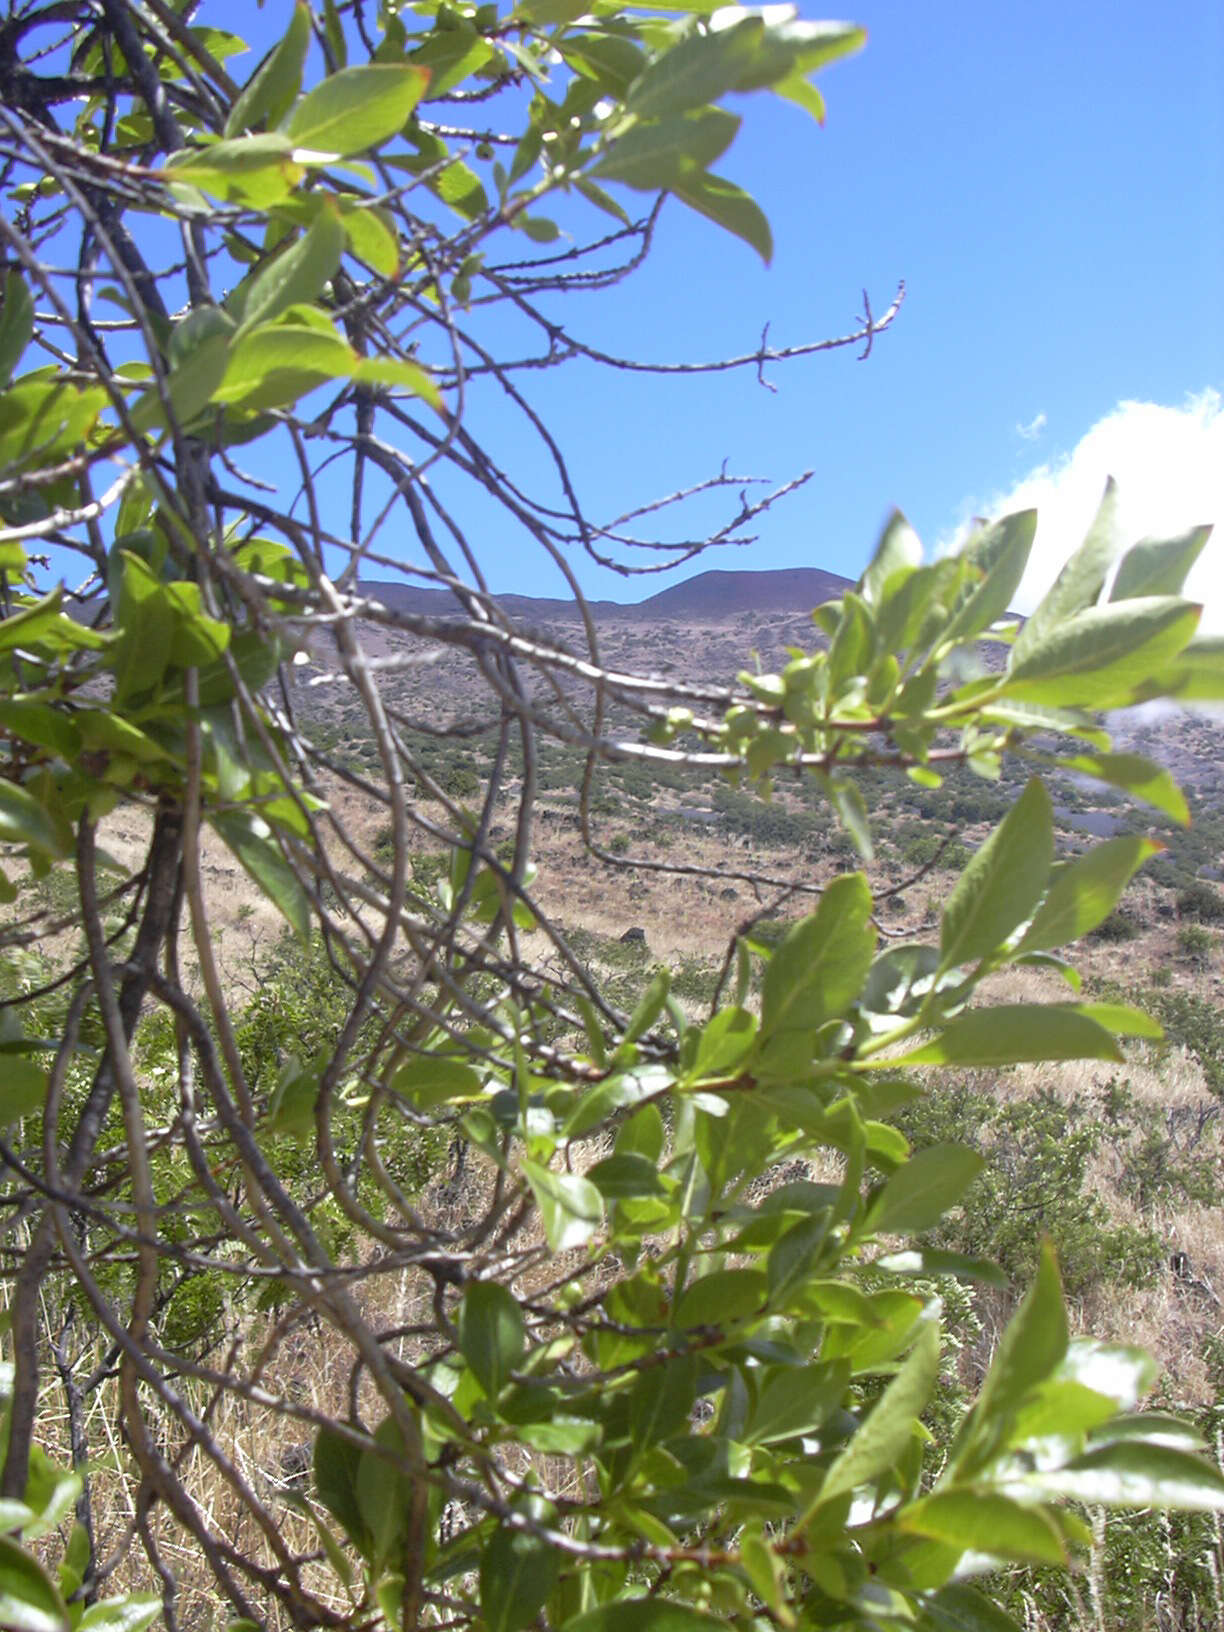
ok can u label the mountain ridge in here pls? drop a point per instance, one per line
(713, 595)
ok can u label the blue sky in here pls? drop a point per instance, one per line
(1049, 181)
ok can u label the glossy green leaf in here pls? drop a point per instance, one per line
(725, 1043)
(898, 553)
(644, 1614)
(1013, 1033)
(721, 1298)
(1129, 1473)
(729, 207)
(661, 1400)
(336, 1461)
(1079, 583)
(697, 71)
(294, 276)
(571, 1208)
(39, 723)
(931, 1262)
(996, 559)
(1032, 1346)
(250, 838)
(620, 1176)
(958, 1607)
(23, 1088)
(891, 1422)
(1085, 891)
(820, 965)
(16, 323)
(131, 1613)
(921, 1191)
(982, 1521)
(253, 170)
(1103, 657)
(1002, 882)
(371, 237)
(492, 1336)
(517, 1573)
(1158, 566)
(384, 1492)
(1136, 775)
(273, 87)
(660, 153)
(272, 366)
(435, 1079)
(357, 108)
(795, 1400)
(29, 1600)
(25, 820)
(790, 48)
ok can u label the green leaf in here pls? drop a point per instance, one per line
(1136, 774)
(821, 963)
(698, 70)
(1002, 882)
(661, 1401)
(254, 170)
(23, 1089)
(272, 366)
(29, 1601)
(336, 1461)
(796, 1400)
(919, 1193)
(357, 108)
(199, 352)
(131, 1613)
(1197, 675)
(1158, 567)
(1079, 583)
(930, 1262)
(959, 1607)
(887, 1431)
(517, 1573)
(1012, 1034)
(996, 559)
(724, 1045)
(1031, 1347)
(250, 838)
(660, 153)
(1102, 658)
(1085, 892)
(32, 623)
(492, 1336)
(272, 88)
(16, 323)
(398, 373)
(897, 556)
(294, 276)
(644, 1615)
(41, 724)
(435, 1079)
(982, 1521)
(371, 236)
(622, 1176)
(24, 820)
(384, 1495)
(792, 48)
(721, 1298)
(728, 206)
(1129, 1473)
(571, 1208)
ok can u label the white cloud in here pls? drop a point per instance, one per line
(1033, 429)
(1169, 466)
